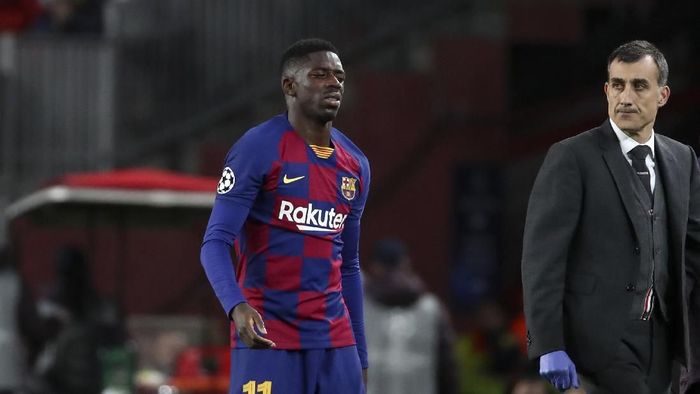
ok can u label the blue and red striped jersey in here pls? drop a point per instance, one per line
(293, 215)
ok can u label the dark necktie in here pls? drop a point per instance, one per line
(638, 156)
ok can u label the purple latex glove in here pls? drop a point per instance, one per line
(559, 370)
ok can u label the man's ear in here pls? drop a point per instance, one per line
(289, 87)
(664, 94)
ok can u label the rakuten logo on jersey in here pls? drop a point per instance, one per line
(308, 218)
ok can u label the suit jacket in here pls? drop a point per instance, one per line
(581, 246)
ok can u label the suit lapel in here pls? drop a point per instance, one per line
(622, 174)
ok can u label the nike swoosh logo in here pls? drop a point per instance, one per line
(286, 180)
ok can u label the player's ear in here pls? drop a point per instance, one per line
(288, 85)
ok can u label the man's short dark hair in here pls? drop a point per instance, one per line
(633, 51)
(302, 49)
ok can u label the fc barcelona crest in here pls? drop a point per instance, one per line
(349, 187)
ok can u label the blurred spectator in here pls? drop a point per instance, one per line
(529, 384)
(519, 330)
(72, 16)
(20, 334)
(80, 324)
(74, 299)
(409, 338)
(497, 341)
(18, 15)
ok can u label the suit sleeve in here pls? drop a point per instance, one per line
(552, 218)
(350, 269)
(690, 376)
(231, 207)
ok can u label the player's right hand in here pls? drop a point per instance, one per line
(247, 320)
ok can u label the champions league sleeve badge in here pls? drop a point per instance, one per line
(348, 188)
(226, 182)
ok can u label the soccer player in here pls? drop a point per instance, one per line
(290, 200)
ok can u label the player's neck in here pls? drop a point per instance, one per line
(312, 132)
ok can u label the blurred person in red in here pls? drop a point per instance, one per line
(409, 336)
(18, 15)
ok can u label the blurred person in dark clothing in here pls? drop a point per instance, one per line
(73, 289)
(72, 297)
(20, 333)
(409, 337)
(18, 15)
(496, 341)
(72, 16)
(80, 323)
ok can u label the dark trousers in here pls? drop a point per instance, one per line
(642, 364)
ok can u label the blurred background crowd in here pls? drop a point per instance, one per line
(115, 116)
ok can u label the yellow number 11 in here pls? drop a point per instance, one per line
(263, 388)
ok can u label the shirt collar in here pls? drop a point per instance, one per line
(627, 143)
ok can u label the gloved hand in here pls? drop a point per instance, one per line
(559, 370)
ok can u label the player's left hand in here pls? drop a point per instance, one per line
(364, 377)
(247, 320)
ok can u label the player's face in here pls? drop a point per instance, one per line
(319, 86)
(634, 95)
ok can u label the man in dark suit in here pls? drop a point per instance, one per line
(611, 248)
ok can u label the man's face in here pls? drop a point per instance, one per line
(634, 95)
(317, 86)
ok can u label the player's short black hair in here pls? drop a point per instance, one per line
(303, 48)
(632, 51)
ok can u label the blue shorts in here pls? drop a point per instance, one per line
(307, 371)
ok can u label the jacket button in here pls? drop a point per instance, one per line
(636, 250)
(630, 287)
